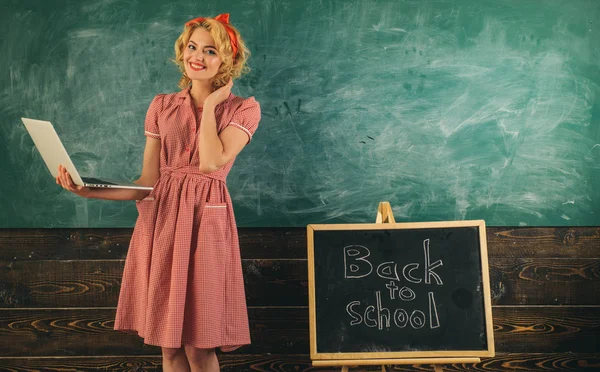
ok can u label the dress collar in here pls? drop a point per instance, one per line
(184, 98)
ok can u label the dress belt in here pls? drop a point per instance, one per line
(192, 171)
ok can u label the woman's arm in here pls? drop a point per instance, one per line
(217, 150)
(150, 174)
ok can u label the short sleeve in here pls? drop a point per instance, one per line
(246, 117)
(151, 123)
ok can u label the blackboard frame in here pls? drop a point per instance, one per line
(349, 356)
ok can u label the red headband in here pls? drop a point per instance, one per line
(224, 19)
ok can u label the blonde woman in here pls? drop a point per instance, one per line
(182, 286)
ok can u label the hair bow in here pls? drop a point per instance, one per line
(224, 19)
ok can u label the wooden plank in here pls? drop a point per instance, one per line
(276, 282)
(84, 283)
(273, 243)
(301, 363)
(64, 332)
(550, 242)
(63, 244)
(97, 283)
(546, 328)
(60, 283)
(542, 281)
(93, 244)
(283, 243)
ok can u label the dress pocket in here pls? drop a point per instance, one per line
(150, 196)
(146, 214)
(214, 223)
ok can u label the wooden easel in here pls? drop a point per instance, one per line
(386, 215)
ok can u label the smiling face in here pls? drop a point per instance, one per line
(231, 67)
(200, 57)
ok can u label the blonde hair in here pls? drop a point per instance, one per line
(231, 68)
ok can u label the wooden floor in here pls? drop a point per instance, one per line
(59, 290)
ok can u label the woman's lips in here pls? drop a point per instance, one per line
(197, 66)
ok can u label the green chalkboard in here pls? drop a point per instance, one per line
(448, 109)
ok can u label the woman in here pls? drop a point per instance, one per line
(182, 285)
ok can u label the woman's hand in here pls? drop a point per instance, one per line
(219, 95)
(64, 179)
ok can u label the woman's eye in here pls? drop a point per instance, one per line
(191, 46)
(211, 52)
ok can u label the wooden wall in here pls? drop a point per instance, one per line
(59, 290)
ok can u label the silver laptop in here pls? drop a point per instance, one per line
(53, 152)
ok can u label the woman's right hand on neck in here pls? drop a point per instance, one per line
(218, 95)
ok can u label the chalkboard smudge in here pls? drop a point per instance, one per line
(376, 349)
(289, 111)
(86, 33)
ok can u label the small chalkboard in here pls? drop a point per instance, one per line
(399, 290)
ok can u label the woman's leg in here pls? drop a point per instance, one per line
(204, 360)
(175, 360)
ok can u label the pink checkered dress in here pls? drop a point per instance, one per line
(182, 282)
